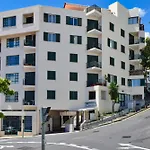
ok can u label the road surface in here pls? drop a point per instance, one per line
(132, 133)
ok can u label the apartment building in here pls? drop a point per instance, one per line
(59, 57)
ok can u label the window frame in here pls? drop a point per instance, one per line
(12, 98)
(112, 61)
(12, 59)
(50, 74)
(73, 95)
(14, 76)
(53, 92)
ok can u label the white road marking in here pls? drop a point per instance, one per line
(6, 146)
(57, 144)
(130, 146)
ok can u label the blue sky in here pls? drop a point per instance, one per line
(143, 5)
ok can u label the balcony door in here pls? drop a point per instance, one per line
(92, 78)
(92, 24)
(91, 58)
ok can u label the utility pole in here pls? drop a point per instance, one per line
(44, 118)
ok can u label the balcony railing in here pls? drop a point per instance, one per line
(100, 82)
(29, 63)
(26, 82)
(141, 27)
(136, 72)
(134, 42)
(133, 57)
(29, 43)
(99, 28)
(29, 102)
(94, 45)
(94, 64)
(92, 8)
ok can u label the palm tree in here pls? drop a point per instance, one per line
(113, 92)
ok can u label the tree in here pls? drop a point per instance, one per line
(4, 89)
(114, 93)
(145, 60)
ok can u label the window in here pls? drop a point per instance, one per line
(92, 95)
(133, 20)
(122, 49)
(12, 98)
(122, 65)
(111, 43)
(112, 78)
(111, 26)
(51, 75)
(9, 21)
(73, 21)
(51, 37)
(12, 60)
(103, 95)
(73, 57)
(52, 18)
(51, 94)
(122, 33)
(13, 42)
(136, 82)
(13, 77)
(73, 76)
(112, 61)
(73, 95)
(51, 56)
(142, 39)
(74, 39)
(28, 123)
(123, 81)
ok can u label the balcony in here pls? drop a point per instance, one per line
(94, 66)
(30, 43)
(135, 72)
(100, 82)
(94, 30)
(141, 27)
(94, 48)
(28, 18)
(93, 11)
(28, 66)
(132, 42)
(29, 105)
(134, 58)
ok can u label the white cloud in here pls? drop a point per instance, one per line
(147, 34)
(142, 12)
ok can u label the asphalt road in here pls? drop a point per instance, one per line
(132, 134)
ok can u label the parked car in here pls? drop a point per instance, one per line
(10, 130)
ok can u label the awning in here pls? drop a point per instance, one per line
(87, 108)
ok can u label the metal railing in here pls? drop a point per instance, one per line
(88, 9)
(94, 45)
(136, 56)
(29, 63)
(29, 102)
(134, 42)
(136, 72)
(100, 82)
(99, 28)
(141, 27)
(29, 43)
(94, 64)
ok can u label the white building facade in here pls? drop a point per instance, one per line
(59, 57)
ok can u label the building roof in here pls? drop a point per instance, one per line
(74, 6)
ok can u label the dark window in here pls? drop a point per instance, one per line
(12, 60)
(51, 94)
(12, 42)
(52, 18)
(123, 81)
(30, 78)
(74, 39)
(111, 43)
(28, 123)
(73, 76)
(9, 21)
(73, 57)
(29, 98)
(122, 49)
(133, 20)
(111, 26)
(122, 65)
(51, 37)
(112, 78)
(73, 95)
(112, 61)
(51, 75)
(142, 39)
(13, 77)
(12, 98)
(122, 33)
(51, 56)
(73, 21)
(92, 95)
